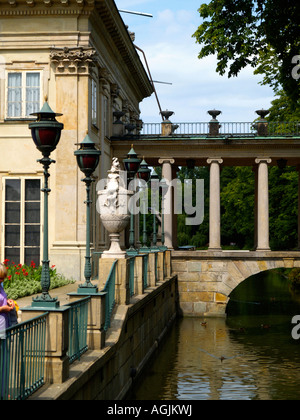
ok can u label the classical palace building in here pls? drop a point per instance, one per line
(81, 56)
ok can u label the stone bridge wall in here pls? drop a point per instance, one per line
(206, 279)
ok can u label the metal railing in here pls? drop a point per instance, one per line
(110, 300)
(78, 319)
(145, 272)
(235, 129)
(22, 359)
(131, 275)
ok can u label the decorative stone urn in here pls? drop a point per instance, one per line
(113, 208)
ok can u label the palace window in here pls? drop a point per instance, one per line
(22, 220)
(94, 103)
(23, 94)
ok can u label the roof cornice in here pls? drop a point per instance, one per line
(109, 15)
(18, 7)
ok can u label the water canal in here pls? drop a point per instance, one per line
(261, 358)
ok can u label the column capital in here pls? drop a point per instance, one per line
(215, 160)
(166, 160)
(75, 61)
(261, 160)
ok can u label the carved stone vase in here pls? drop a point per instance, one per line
(113, 208)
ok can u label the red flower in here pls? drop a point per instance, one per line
(9, 277)
(6, 262)
(20, 265)
(26, 274)
(17, 273)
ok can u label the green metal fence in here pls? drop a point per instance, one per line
(109, 289)
(22, 359)
(131, 275)
(145, 272)
(78, 320)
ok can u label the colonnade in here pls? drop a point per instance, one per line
(261, 210)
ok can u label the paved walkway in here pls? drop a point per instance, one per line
(61, 293)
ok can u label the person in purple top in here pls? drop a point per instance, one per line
(6, 306)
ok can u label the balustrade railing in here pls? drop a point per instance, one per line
(110, 300)
(78, 319)
(235, 129)
(22, 359)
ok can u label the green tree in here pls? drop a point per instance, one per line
(237, 200)
(261, 33)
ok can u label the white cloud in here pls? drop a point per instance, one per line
(172, 55)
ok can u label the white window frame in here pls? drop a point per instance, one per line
(22, 179)
(23, 102)
(94, 99)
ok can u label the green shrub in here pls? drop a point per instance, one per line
(24, 280)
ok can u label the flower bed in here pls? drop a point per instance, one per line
(24, 280)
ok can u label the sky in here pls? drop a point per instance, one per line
(172, 56)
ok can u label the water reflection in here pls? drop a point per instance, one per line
(245, 357)
(258, 364)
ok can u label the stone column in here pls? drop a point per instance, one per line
(255, 170)
(214, 205)
(169, 201)
(263, 204)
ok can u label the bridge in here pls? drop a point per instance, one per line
(207, 278)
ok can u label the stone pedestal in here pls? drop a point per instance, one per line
(122, 292)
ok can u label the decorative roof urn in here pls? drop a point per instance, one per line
(113, 209)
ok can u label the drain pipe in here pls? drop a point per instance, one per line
(151, 80)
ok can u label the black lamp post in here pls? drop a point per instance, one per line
(144, 175)
(87, 157)
(45, 132)
(132, 164)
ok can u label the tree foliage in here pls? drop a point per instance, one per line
(263, 34)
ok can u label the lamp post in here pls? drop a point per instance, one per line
(144, 175)
(132, 164)
(46, 132)
(87, 157)
(154, 189)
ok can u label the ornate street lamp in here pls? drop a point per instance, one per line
(46, 132)
(132, 164)
(155, 189)
(144, 175)
(87, 157)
